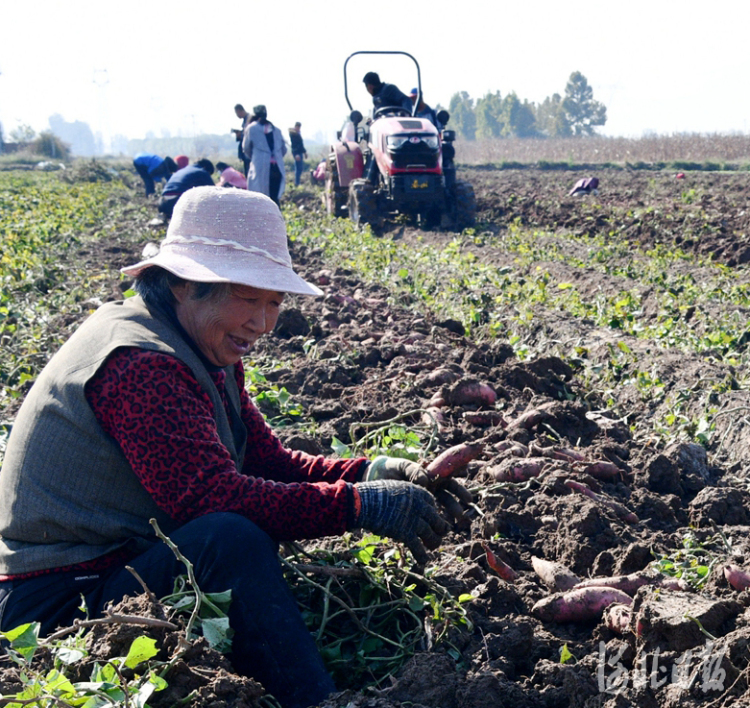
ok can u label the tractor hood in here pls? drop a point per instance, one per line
(383, 127)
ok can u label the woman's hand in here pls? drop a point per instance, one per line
(449, 492)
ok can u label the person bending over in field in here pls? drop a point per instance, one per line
(229, 177)
(152, 168)
(197, 175)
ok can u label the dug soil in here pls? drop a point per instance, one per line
(566, 474)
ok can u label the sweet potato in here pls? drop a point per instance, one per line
(602, 469)
(499, 566)
(453, 459)
(669, 583)
(630, 583)
(529, 419)
(738, 578)
(555, 575)
(581, 605)
(433, 416)
(556, 453)
(622, 512)
(437, 400)
(617, 618)
(515, 470)
(519, 450)
(471, 391)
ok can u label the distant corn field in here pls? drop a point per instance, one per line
(717, 150)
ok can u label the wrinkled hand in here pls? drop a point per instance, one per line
(404, 512)
(450, 493)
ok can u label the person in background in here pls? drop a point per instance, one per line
(229, 177)
(585, 185)
(152, 169)
(239, 133)
(298, 151)
(265, 148)
(196, 175)
(423, 110)
(182, 161)
(143, 414)
(385, 94)
(318, 175)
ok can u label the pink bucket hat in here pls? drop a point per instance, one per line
(221, 235)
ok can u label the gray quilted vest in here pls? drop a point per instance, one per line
(67, 493)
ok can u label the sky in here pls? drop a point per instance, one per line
(135, 66)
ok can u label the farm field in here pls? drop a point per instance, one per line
(613, 331)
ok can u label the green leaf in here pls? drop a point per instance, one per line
(365, 555)
(138, 699)
(24, 639)
(218, 633)
(565, 655)
(222, 600)
(158, 682)
(339, 448)
(69, 655)
(565, 286)
(142, 649)
(416, 604)
(55, 681)
(465, 597)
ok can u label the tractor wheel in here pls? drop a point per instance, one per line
(464, 205)
(363, 203)
(333, 196)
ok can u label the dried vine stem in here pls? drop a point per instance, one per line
(382, 425)
(141, 582)
(351, 612)
(110, 618)
(191, 578)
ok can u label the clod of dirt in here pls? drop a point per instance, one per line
(672, 620)
(720, 505)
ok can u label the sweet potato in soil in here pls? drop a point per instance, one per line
(453, 460)
(555, 575)
(368, 367)
(579, 605)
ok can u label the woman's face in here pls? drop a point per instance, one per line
(227, 329)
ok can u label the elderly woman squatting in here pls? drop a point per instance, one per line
(143, 414)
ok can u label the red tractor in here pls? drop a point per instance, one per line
(397, 163)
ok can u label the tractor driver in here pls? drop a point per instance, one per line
(385, 94)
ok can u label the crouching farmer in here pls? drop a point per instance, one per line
(142, 414)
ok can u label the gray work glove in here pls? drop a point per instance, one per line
(383, 467)
(402, 511)
(450, 493)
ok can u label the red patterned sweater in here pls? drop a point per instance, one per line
(153, 406)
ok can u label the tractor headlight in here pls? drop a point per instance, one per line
(431, 141)
(396, 141)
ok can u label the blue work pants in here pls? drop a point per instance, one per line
(271, 642)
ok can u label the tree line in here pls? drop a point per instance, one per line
(494, 116)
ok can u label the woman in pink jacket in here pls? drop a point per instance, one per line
(229, 177)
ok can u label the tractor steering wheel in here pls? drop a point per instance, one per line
(394, 110)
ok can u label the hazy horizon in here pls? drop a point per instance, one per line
(138, 67)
